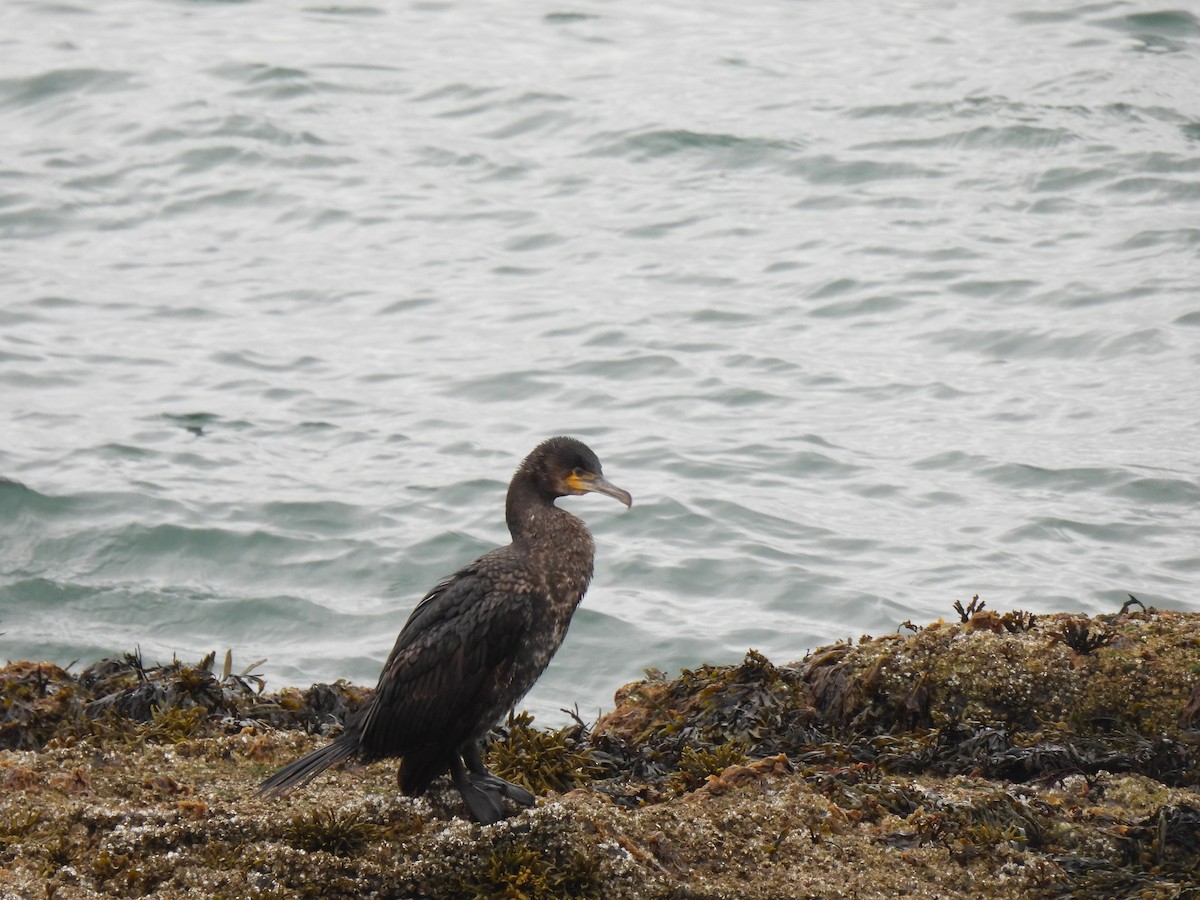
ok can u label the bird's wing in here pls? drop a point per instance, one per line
(453, 657)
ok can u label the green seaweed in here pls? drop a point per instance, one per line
(337, 831)
(696, 764)
(541, 760)
(520, 872)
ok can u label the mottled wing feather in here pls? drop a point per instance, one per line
(454, 654)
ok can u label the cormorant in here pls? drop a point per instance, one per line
(477, 642)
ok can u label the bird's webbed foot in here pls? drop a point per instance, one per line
(473, 757)
(483, 803)
(482, 791)
(498, 785)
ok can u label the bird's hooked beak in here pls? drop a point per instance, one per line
(586, 482)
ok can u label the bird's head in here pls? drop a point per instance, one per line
(564, 465)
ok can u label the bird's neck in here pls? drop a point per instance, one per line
(558, 540)
(533, 518)
(527, 507)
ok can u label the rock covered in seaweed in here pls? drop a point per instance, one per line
(951, 698)
(41, 703)
(930, 765)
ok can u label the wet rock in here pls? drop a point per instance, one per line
(995, 756)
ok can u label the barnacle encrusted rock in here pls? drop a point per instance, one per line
(1004, 755)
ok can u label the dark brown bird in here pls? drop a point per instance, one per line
(477, 642)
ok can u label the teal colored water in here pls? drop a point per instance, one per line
(871, 306)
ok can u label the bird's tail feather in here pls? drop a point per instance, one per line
(306, 768)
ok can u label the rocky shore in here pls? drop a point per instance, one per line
(992, 756)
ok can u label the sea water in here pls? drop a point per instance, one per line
(872, 307)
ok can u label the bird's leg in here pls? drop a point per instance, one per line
(483, 801)
(480, 776)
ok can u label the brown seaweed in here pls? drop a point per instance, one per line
(985, 756)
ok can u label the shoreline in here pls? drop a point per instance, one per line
(1009, 755)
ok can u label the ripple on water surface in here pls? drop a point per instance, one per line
(871, 309)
